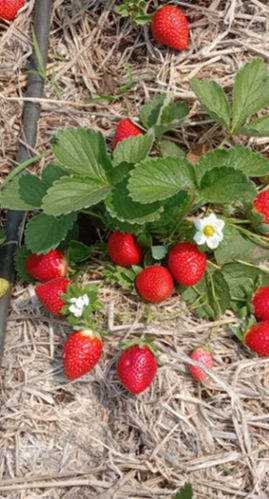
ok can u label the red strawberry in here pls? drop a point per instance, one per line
(50, 293)
(123, 249)
(170, 27)
(204, 357)
(257, 338)
(155, 284)
(81, 353)
(261, 303)
(47, 267)
(187, 263)
(10, 8)
(137, 368)
(261, 203)
(124, 130)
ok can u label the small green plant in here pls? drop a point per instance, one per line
(186, 492)
(41, 71)
(149, 188)
(136, 10)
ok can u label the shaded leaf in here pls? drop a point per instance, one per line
(133, 149)
(32, 190)
(10, 197)
(257, 128)
(45, 232)
(223, 185)
(19, 260)
(171, 150)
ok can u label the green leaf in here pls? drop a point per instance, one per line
(257, 128)
(213, 99)
(51, 173)
(44, 232)
(223, 185)
(173, 211)
(115, 224)
(186, 492)
(123, 276)
(83, 152)
(20, 257)
(133, 149)
(121, 206)
(2, 236)
(171, 150)
(119, 172)
(241, 279)
(171, 117)
(250, 92)
(151, 111)
(238, 157)
(78, 252)
(32, 190)
(10, 197)
(69, 194)
(236, 246)
(157, 179)
(159, 252)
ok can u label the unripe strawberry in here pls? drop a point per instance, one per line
(137, 368)
(10, 8)
(187, 263)
(124, 249)
(124, 130)
(49, 293)
(170, 27)
(203, 356)
(155, 284)
(257, 338)
(47, 267)
(261, 303)
(81, 353)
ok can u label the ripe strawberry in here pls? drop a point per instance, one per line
(261, 203)
(124, 130)
(137, 368)
(187, 263)
(155, 284)
(170, 27)
(10, 8)
(47, 267)
(257, 338)
(81, 353)
(261, 303)
(204, 357)
(123, 249)
(49, 293)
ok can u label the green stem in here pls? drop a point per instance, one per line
(22, 167)
(92, 214)
(247, 264)
(261, 239)
(213, 265)
(225, 140)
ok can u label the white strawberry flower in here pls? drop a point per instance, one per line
(78, 305)
(209, 231)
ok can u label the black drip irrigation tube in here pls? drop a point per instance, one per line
(31, 113)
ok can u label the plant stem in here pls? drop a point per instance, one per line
(247, 264)
(214, 265)
(225, 140)
(92, 214)
(22, 167)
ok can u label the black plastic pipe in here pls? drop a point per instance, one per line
(28, 134)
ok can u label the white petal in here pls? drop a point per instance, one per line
(77, 312)
(198, 223)
(211, 219)
(86, 300)
(219, 225)
(199, 238)
(73, 300)
(213, 242)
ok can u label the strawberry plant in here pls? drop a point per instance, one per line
(216, 210)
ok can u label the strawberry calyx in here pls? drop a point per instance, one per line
(141, 343)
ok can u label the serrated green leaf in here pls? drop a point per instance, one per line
(257, 128)
(32, 190)
(45, 232)
(19, 260)
(52, 172)
(158, 179)
(240, 158)
(69, 194)
(120, 205)
(173, 211)
(223, 185)
(78, 252)
(158, 252)
(2, 236)
(123, 276)
(83, 152)
(250, 92)
(115, 224)
(186, 492)
(151, 111)
(10, 197)
(171, 150)
(213, 99)
(133, 149)
(241, 279)
(171, 117)
(119, 172)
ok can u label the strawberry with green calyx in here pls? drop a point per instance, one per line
(169, 26)
(10, 8)
(256, 338)
(50, 294)
(187, 263)
(203, 355)
(124, 130)
(81, 353)
(4, 286)
(123, 249)
(47, 266)
(155, 284)
(137, 365)
(80, 303)
(136, 10)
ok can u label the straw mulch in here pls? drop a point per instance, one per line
(89, 438)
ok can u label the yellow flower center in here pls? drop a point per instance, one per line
(209, 230)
